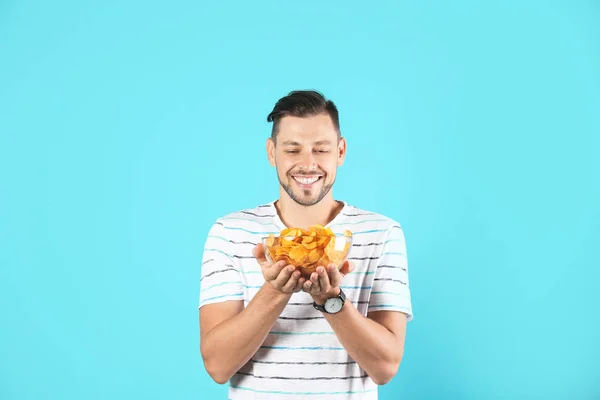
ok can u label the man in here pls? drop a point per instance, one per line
(274, 334)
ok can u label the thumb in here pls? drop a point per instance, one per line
(259, 254)
(346, 268)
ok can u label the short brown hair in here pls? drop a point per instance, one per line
(302, 103)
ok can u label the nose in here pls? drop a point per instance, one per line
(308, 161)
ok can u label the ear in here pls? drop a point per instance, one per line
(341, 151)
(271, 151)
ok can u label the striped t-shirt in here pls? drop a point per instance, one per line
(302, 357)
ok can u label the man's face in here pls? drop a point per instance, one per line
(306, 157)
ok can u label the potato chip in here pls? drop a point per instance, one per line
(270, 240)
(314, 256)
(309, 248)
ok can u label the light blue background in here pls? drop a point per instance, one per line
(128, 127)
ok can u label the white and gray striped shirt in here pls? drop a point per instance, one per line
(302, 357)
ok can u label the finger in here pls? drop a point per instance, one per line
(259, 253)
(324, 283)
(291, 284)
(284, 276)
(314, 280)
(307, 286)
(271, 272)
(300, 284)
(335, 277)
(346, 268)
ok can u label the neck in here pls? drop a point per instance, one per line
(294, 215)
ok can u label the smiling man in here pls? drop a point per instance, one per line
(274, 334)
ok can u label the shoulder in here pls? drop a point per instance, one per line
(266, 210)
(383, 223)
(258, 220)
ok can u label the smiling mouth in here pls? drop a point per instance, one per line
(306, 180)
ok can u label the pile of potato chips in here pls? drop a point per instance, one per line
(308, 248)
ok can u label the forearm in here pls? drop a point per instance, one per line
(230, 344)
(376, 349)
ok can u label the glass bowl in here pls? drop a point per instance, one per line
(307, 252)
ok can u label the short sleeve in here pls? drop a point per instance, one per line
(390, 290)
(221, 278)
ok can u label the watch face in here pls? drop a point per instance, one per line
(333, 305)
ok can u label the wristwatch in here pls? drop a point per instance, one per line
(332, 305)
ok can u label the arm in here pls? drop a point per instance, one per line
(231, 334)
(375, 342)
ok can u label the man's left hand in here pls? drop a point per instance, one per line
(325, 283)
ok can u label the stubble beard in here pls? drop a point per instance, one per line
(305, 200)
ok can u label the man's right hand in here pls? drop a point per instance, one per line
(224, 346)
(282, 276)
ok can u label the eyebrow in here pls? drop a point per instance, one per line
(318, 143)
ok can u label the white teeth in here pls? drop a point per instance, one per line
(306, 181)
